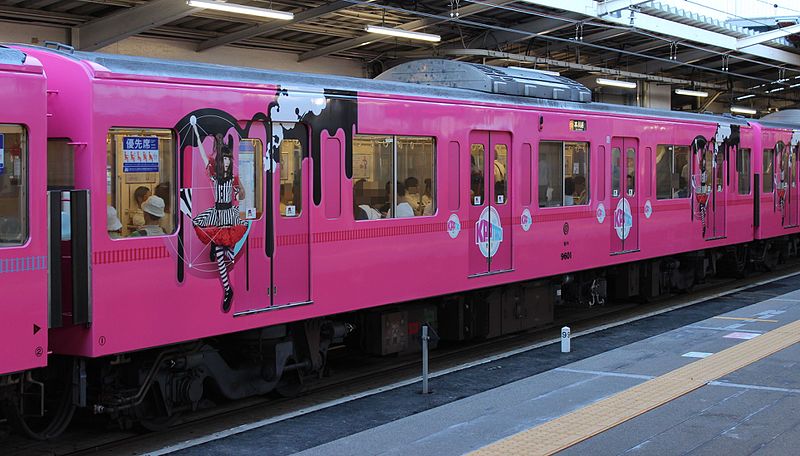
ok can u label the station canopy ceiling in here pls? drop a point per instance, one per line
(731, 57)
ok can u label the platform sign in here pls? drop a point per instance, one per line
(140, 154)
(2, 154)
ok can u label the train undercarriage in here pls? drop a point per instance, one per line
(151, 389)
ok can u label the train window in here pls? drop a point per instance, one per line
(769, 177)
(13, 185)
(681, 167)
(664, 172)
(416, 170)
(395, 176)
(476, 174)
(500, 171)
(251, 153)
(630, 161)
(141, 182)
(551, 177)
(672, 171)
(373, 173)
(743, 170)
(615, 172)
(291, 165)
(563, 173)
(576, 169)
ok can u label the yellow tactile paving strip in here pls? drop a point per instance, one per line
(581, 424)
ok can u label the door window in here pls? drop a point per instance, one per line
(291, 190)
(251, 153)
(743, 170)
(476, 181)
(769, 173)
(500, 173)
(616, 175)
(630, 160)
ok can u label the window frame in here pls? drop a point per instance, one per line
(673, 151)
(174, 175)
(739, 169)
(434, 190)
(24, 197)
(564, 142)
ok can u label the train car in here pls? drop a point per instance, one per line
(227, 225)
(778, 209)
(23, 224)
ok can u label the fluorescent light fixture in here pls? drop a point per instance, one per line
(741, 110)
(551, 73)
(692, 93)
(744, 97)
(775, 90)
(616, 83)
(240, 9)
(403, 33)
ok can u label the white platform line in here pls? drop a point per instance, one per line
(722, 328)
(755, 387)
(604, 373)
(411, 381)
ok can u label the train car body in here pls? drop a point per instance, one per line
(287, 211)
(151, 291)
(23, 222)
(779, 202)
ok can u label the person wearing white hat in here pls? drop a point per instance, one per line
(153, 210)
(113, 225)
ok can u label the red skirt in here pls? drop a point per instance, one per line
(226, 236)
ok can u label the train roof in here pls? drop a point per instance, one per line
(146, 66)
(788, 118)
(10, 56)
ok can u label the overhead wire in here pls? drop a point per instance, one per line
(480, 25)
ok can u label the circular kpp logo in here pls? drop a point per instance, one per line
(488, 232)
(601, 213)
(623, 220)
(453, 226)
(526, 220)
(648, 209)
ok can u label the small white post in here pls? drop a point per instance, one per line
(425, 359)
(565, 341)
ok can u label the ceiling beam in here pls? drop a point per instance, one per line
(263, 29)
(655, 24)
(116, 27)
(767, 36)
(412, 26)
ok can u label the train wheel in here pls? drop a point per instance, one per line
(152, 414)
(42, 421)
(290, 385)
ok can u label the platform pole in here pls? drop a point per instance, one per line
(565, 340)
(425, 339)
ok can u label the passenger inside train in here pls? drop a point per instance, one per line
(153, 210)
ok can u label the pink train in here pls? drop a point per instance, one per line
(174, 231)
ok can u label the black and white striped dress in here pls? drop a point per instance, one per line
(224, 212)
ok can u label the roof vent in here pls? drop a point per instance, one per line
(10, 56)
(490, 79)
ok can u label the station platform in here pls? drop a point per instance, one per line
(719, 377)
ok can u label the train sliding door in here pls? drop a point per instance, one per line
(624, 196)
(787, 184)
(490, 205)
(291, 258)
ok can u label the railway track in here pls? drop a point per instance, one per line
(359, 375)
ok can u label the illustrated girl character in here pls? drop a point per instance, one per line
(220, 225)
